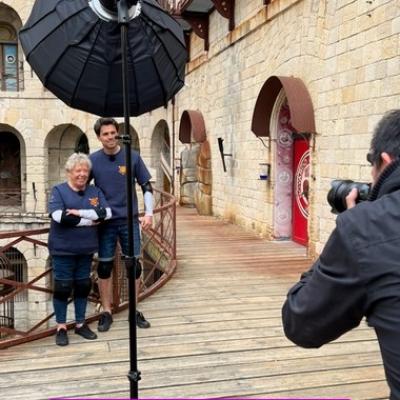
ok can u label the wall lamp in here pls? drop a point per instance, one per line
(264, 171)
(221, 150)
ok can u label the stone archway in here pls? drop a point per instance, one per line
(60, 143)
(12, 167)
(195, 172)
(13, 313)
(161, 157)
(82, 144)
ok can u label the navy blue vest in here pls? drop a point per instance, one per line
(66, 240)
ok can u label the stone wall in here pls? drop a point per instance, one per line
(203, 193)
(346, 53)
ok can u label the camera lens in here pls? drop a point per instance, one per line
(341, 188)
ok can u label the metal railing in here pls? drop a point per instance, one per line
(34, 318)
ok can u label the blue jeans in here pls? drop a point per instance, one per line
(71, 268)
(110, 234)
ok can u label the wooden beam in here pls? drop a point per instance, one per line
(199, 23)
(227, 9)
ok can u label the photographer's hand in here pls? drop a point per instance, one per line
(351, 198)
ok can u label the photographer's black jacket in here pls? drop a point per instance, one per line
(357, 275)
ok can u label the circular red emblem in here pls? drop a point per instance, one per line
(302, 183)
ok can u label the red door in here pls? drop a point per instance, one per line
(301, 174)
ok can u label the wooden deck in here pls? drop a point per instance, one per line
(216, 332)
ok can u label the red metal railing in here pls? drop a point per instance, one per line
(32, 317)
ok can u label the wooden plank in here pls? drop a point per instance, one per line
(249, 364)
(216, 332)
(207, 386)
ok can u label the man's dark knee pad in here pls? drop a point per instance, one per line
(62, 290)
(82, 288)
(138, 269)
(129, 266)
(104, 269)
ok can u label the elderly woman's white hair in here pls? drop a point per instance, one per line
(77, 159)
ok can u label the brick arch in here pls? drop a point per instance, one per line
(299, 101)
(192, 126)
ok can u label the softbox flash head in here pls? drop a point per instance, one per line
(110, 5)
(107, 10)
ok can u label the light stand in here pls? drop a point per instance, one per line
(123, 11)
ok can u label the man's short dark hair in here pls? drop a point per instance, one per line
(386, 137)
(105, 121)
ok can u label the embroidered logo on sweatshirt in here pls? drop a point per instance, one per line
(94, 201)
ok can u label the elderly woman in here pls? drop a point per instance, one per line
(76, 209)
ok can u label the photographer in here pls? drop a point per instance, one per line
(358, 272)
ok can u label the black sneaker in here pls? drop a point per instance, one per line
(62, 337)
(85, 332)
(105, 322)
(141, 321)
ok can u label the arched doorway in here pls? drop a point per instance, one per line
(82, 145)
(161, 159)
(195, 171)
(17, 265)
(10, 168)
(284, 112)
(292, 173)
(61, 142)
(10, 71)
(13, 266)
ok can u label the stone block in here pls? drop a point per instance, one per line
(203, 203)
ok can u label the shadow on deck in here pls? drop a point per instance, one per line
(216, 332)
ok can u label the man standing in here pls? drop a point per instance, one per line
(358, 272)
(109, 171)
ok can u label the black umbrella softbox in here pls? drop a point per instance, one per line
(78, 56)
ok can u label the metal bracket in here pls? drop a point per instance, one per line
(134, 376)
(227, 9)
(199, 23)
(125, 138)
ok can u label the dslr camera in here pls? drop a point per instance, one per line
(341, 188)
